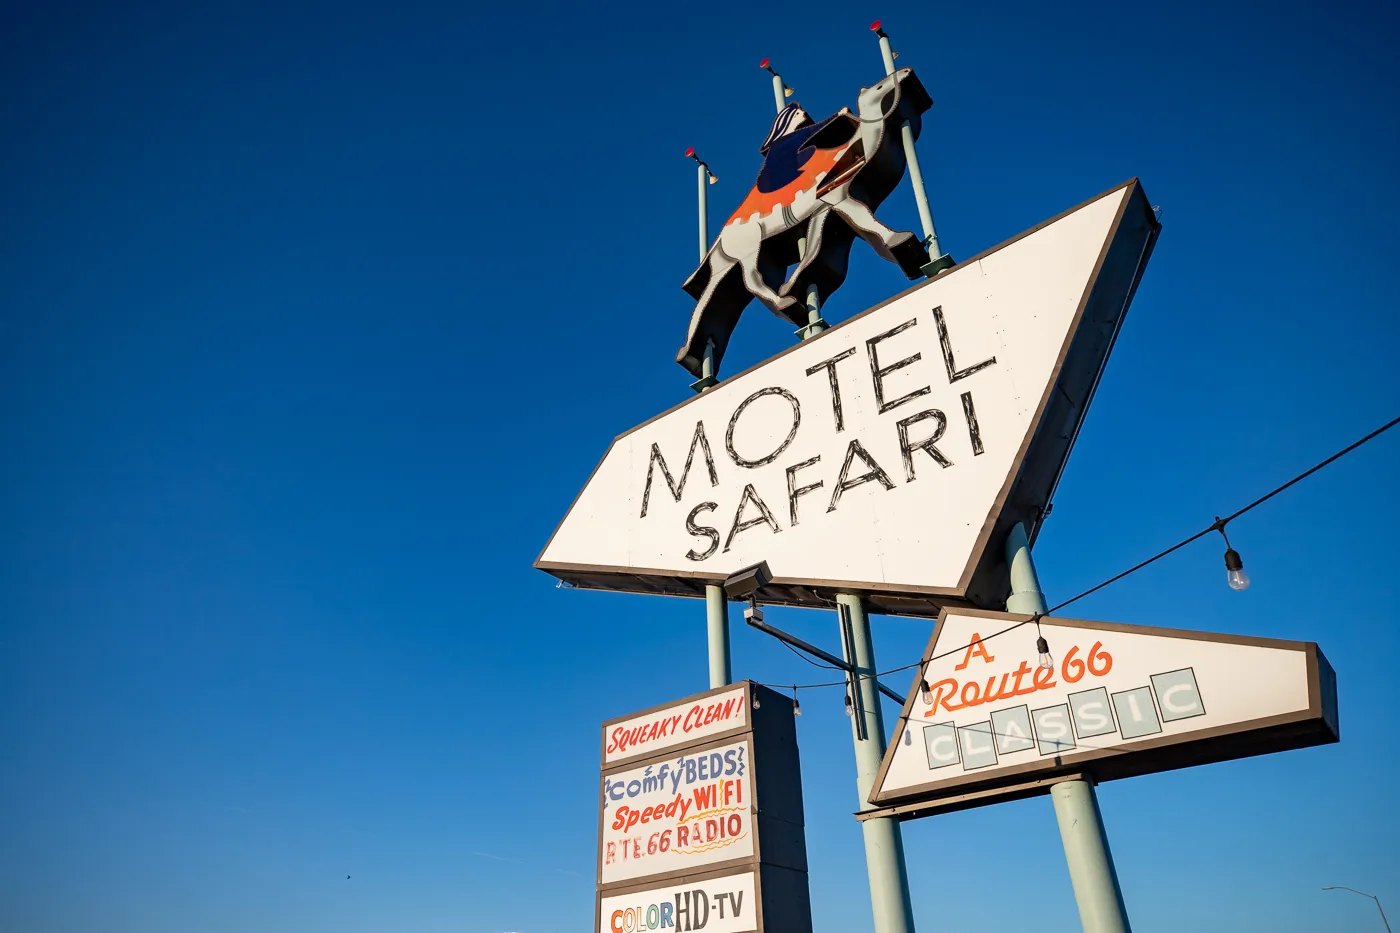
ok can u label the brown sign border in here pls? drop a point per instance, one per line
(664, 753)
(706, 743)
(1315, 725)
(693, 877)
(894, 599)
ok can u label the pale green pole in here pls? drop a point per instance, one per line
(716, 605)
(938, 260)
(702, 179)
(780, 89)
(884, 842)
(1091, 871)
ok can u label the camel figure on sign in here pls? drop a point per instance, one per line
(822, 182)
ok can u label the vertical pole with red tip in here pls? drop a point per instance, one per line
(938, 260)
(884, 842)
(815, 324)
(704, 177)
(716, 605)
(1091, 871)
(780, 90)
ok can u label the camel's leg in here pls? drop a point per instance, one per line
(720, 264)
(753, 279)
(900, 247)
(815, 225)
(868, 227)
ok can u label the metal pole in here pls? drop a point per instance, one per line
(1091, 871)
(717, 617)
(702, 179)
(938, 259)
(1342, 887)
(716, 605)
(780, 89)
(884, 843)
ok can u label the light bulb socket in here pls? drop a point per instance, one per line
(1232, 560)
(1041, 646)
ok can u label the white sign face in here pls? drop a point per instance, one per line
(719, 905)
(877, 455)
(683, 724)
(679, 814)
(990, 711)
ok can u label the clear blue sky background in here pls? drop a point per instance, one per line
(315, 316)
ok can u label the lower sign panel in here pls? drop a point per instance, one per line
(986, 721)
(718, 905)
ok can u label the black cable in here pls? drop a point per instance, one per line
(1220, 523)
(1217, 525)
(829, 667)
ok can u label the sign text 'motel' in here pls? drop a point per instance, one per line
(915, 433)
(701, 820)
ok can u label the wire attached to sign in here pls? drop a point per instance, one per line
(1235, 566)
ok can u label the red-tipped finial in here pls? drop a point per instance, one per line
(875, 26)
(763, 64)
(690, 153)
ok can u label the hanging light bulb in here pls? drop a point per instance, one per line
(1234, 570)
(908, 738)
(1234, 567)
(1045, 661)
(925, 693)
(756, 704)
(850, 707)
(796, 706)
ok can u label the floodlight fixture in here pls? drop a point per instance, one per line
(744, 583)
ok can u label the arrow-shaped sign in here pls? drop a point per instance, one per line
(989, 719)
(888, 455)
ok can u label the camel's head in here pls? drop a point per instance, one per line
(884, 98)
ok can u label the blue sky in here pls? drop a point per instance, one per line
(314, 317)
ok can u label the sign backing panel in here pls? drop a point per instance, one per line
(889, 454)
(1119, 700)
(704, 788)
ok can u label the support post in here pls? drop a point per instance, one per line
(716, 605)
(703, 179)
(939, 260)
(780, 88)
(1091, 871)
(884, 843)
(717, 619)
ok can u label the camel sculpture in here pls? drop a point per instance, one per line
(822, 182)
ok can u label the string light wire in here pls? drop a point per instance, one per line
(1217, 525)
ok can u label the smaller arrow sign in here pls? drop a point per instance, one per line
(989, 718)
